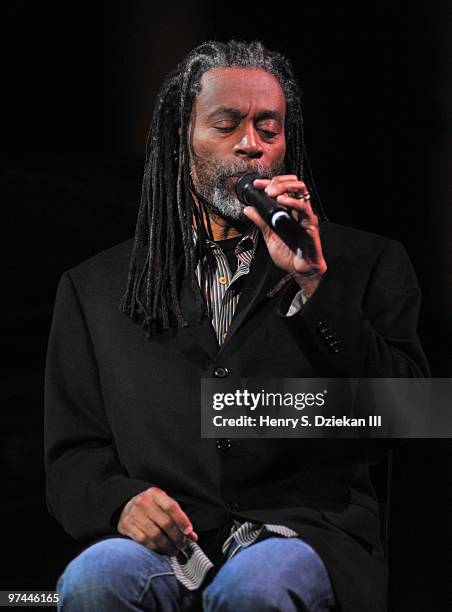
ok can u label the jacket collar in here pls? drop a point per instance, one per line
(261, 283)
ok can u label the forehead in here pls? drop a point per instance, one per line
(241, 88)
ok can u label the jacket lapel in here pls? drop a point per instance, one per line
(198, 340)
(201, 331)
(262, 278)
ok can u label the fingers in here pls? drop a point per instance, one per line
(276, 180)
(175, 512)
(167, 525)
(306, 215)
(281, 189)
(281, 184)
(152, 537)
(156, 520)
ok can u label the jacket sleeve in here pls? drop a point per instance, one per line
(350, 327)
(86, 485)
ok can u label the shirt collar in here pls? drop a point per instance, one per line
(247, 243)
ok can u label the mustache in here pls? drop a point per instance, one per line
(215, 172)
(242, 167)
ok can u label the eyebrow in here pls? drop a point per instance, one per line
(234, 112)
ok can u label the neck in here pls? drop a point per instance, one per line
(222, 229)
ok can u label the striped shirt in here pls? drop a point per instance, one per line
(221, 289)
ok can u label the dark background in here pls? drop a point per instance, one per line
(79, 82)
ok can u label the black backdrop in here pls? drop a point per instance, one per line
(79, 82)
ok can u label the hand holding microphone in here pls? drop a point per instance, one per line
(294, 246)
(276, 216)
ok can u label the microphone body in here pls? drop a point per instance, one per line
(275, 215)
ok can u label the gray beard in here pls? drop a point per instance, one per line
(225, 204)
(218, 196)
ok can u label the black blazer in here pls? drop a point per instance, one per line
(123, 413)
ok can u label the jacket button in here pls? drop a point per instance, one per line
(220, 372)
(223, 443)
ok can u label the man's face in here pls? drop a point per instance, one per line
(236, 126)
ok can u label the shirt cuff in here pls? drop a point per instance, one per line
(297, 304)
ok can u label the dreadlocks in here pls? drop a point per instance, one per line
(164, 224)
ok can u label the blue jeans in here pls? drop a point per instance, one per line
(119, 574)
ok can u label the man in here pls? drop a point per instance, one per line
(182, 521)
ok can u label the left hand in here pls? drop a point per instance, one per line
(308, 269)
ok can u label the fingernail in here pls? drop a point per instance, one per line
(187, 530)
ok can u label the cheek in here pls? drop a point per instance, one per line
(201, 148)
(202, 145)
(279, 154)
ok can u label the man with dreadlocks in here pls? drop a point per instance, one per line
(183, 522)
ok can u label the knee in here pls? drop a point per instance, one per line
(102, 574)
(272, 575)
(234, 594)
(237, 589)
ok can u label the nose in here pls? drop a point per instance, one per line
(249, 145)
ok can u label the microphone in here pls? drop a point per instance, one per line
(275, 215)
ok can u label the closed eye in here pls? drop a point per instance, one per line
(268, 134)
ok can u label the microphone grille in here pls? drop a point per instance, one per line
(243, 184)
